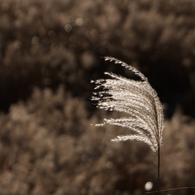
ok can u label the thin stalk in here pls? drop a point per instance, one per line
(158, 177)
(171, 189)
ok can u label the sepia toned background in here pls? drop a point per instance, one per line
(49, 52)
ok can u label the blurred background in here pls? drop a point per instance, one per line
(49, 52)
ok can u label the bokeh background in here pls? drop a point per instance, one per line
(49, 52)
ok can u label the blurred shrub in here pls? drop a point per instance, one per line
(179, 153)
(49, 43)
(47, 146)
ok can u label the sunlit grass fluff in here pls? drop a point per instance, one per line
(135, 98)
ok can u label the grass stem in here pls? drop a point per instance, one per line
(159, 164)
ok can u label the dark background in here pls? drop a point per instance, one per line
(49, 52)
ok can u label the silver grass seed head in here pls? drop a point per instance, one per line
(135, 98)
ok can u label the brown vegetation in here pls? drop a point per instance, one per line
(49, 52)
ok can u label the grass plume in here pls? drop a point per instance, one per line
(139, 101)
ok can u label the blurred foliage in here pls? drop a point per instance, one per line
(49, 52)
(48, 146)
(57, 42)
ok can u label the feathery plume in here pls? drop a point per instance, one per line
(135, 98)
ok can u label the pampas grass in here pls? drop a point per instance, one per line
(139, 101)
